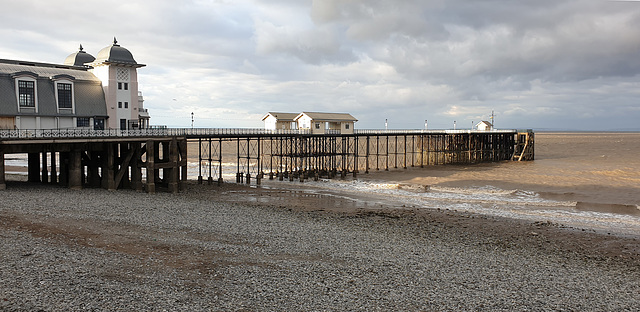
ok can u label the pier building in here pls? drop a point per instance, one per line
(84, 92)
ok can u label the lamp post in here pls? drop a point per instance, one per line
(385, 124)
(191, 120)
(454, 125)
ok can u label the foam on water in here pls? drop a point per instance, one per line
(488, 200)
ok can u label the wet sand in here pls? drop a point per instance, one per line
(547, 236)
(283, 247)
(233, 247)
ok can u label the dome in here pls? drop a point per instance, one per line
(79, 58)
(115, 54)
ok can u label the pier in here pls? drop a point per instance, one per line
(150, 159)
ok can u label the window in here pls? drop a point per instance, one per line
(65, 98)
(126, 104)
(26, 93)
(98, 124)
(346, 126)
(119, 104)
(123, 124)
(317, 126)
(126, 86)
(119, 85)
(83, 122)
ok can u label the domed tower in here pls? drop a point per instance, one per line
(117, 69)
(79, 58)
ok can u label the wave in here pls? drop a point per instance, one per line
(487, 200)
(442, 196)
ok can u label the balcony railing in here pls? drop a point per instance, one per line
(16, 134)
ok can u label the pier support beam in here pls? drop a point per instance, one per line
(75, 169)
(93, 177)
(3, 184)
(182, 150)
(108, 168)
(45, 171)
(151, 170)
(54, 170)
(33, 170)
(136, 170)
(171, 174)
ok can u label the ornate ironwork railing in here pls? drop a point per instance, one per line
(20, 134)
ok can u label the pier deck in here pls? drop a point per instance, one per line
(150, 158)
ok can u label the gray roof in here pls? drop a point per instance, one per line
(115, 54)
(328, 116)
(79, 58)
(281, 116)
(45, 69)
(88, 92)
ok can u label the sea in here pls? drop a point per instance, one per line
(583, 180)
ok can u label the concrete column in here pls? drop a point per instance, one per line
(108, 167)
(183, 158)
(136, 171)
(3, 184)
(171, 174)
(33, 170)
(64, 168)
(75, 169)
(167, 151)
(54, 170)
(94, 164)
(151, 171)
(156, 160)
(124, 151)
(45, 170)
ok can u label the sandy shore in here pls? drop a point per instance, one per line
(257, 249)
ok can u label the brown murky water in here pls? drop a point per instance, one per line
(588, 180)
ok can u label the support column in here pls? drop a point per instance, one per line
(45, 170)
(219, 162)
(182, 149)
(93, 166)
(151, 172)
(3, 184)
(156, 160)
(75, 169)
(108, 167)
(54, 170)
(366, 169)
(125, 149)
(64, 169)
(136, 170)
(200, 159)
(167, 152)
(171, 174)
(33, 170)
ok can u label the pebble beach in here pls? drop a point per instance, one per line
(230, 248)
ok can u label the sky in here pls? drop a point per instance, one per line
(543, 65)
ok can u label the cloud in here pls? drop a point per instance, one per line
(541, 64)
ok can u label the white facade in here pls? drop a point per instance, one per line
(484, 126)
(121, 95)
(117, 69)
(279, 121)
(321, 123)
